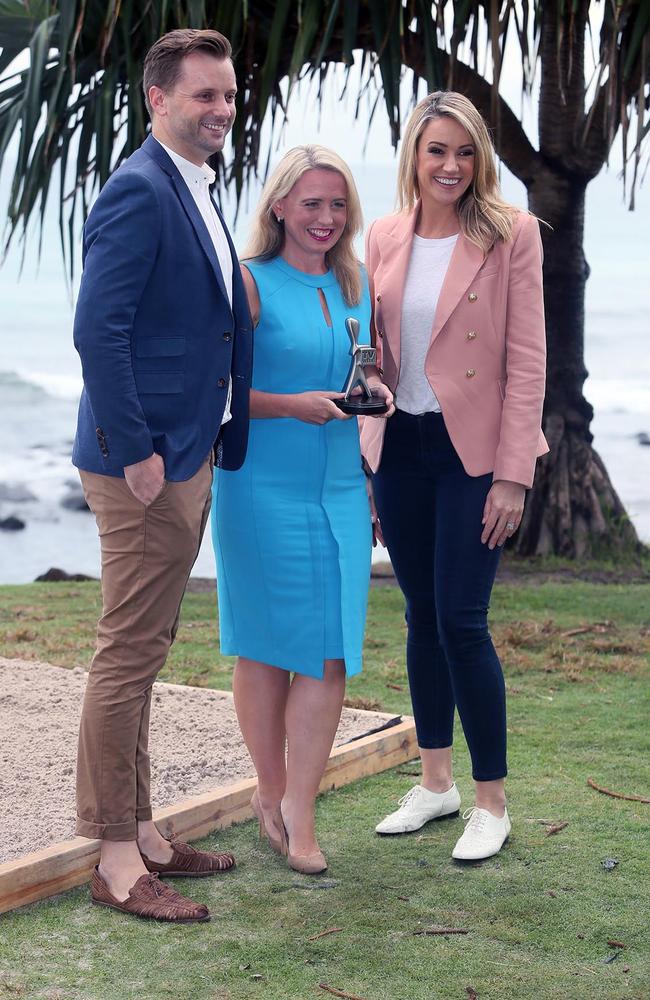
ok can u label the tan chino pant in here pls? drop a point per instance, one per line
(147, 554)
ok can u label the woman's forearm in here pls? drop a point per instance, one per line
(271, 404)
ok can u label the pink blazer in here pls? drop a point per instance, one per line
(487, 357)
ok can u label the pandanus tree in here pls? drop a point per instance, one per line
(78, 106)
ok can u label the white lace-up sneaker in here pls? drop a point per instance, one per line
(483, 836)
(418, 807)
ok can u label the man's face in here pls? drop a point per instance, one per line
(194, 117)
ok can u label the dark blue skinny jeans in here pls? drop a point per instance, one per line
(430, 511)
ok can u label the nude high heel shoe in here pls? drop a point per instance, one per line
(278, 843)
(306, 864)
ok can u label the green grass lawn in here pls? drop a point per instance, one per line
(538, 917)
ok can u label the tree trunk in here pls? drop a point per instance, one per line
(573, 509)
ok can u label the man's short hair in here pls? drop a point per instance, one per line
(162, 64)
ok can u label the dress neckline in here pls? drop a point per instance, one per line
(312, 280)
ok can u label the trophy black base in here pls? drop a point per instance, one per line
(361, 406)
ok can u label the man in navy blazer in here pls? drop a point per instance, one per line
(164, 334)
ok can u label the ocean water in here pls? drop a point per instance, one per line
(40, 374)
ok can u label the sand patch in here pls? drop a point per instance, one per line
(195, 746)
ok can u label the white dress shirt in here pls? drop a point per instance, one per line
(198, 180)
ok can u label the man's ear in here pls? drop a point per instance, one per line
(157, 100)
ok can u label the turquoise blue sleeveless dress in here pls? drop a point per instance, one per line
(291, 528)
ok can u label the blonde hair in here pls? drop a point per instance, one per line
(266, 238)
(484, 216)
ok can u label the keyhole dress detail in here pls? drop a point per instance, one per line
(291, 528)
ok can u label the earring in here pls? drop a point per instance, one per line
(280, 218)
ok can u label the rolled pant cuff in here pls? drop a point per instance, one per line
(497, 776)
(107, 831)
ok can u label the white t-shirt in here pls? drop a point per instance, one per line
(198, 180)
(426, 272)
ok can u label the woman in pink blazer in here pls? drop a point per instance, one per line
(456, 281)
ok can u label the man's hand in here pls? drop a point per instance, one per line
(146, 479)
(504, 507)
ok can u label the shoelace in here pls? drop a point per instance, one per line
(476, 819)
(156, 884)
(410, 795)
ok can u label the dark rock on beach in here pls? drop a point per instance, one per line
(12, 524)
(55, 575)
(15, 493)
(74, 500)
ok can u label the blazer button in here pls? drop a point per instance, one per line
(381, 371)
(471, 334)
(379, 298)
(471, 372)
(227, 336)
(221, 383)
(380, 333)
(472, 297)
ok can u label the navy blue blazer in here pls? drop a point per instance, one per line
(157, 338)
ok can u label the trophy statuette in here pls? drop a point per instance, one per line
(365, 403)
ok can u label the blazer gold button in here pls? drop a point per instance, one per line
(379, 298)
(471, 372)
(471, 334)
(380, 333)
(472, 297)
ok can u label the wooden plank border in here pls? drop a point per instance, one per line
(70, 863)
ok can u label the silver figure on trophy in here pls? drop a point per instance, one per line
(365, 403)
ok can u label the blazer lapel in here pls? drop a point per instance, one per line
(200, 228)
(395, 253)
(465, 261)
(153, 149)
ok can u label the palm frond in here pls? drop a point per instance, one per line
(78, 108)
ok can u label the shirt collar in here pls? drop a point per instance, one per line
(191, 174)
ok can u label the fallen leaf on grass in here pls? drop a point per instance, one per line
(552, 894)
(626, 968)
(338, 993)
(599, 627)
(395, 687)
(556, 827)
(616, 795)
(329, 930)
(615, 944)
(471, 993)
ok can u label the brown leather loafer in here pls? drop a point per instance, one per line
(190, 863)
(151, 899)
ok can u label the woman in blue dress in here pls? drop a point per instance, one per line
(292, 529)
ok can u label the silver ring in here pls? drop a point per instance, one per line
(510, 525)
